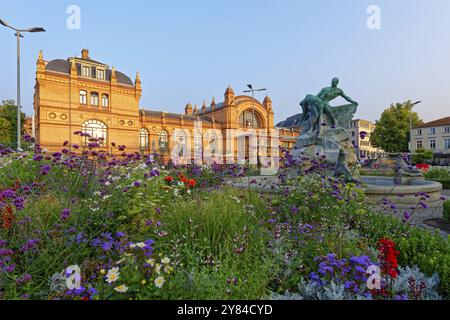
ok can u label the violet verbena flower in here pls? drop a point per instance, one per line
(65, 214)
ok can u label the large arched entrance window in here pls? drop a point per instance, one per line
(249, 119)
(163, 141)
(96, 129)
(143, 139)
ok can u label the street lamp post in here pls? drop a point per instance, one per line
(18, 34)
(410, 130)
(253, 90)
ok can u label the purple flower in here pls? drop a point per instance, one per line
(24, 279)
(30, 245)
(45, 169)
(65, 214)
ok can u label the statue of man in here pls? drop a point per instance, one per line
(314, 107)
(330, 93)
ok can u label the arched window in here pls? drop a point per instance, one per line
(249, 119)
(163, 140)
(143, 139)
(94, 99)
(83, 97)
(95, 129)
(105, 101)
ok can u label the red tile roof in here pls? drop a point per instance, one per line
(436, 123)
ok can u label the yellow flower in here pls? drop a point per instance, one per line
(113, 275)
(159, 282)
(158, 268)
(122, 289)
(151, 262)
(143, 282)
(102, 272)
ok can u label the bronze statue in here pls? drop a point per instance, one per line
(324, 128)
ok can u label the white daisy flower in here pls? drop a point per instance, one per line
(112, 275)
(159, 282)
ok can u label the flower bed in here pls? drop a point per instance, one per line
(89, 225)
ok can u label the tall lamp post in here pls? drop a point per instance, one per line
(252, 90)
(18, 34)
(410, 130)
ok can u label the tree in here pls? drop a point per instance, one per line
(8, 112)
(392, 130)
(5, 132)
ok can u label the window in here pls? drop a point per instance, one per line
(100, 74)
(248, 119)
(432, 144)
(86, 71)
(96, 129)
(353, 133)
(447, 130)
(94, 99)
(419, 132)
(419, 144)
(432, 131)
(163, 139)
(143, 139)
(83, 97)
(105, 101)
(447, 144)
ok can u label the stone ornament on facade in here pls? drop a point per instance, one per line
(52, 115)
(63, 117)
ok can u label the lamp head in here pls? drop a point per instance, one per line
(3, 23)
(37, 29)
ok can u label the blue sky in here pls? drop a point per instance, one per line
(192, 50)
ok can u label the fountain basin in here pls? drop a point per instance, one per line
(406, 195)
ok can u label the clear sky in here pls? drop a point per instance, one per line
(192, 50)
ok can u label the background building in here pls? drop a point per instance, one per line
(360, 131)
(434, 136)
(81, 94)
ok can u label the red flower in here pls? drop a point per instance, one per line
(7, 218)
(388, 257)
(192, 183)
(184, 180)
(423, 166)
(169, 179)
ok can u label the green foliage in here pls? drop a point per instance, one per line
(8, 112)
(439, 174)
(392, 130)
(5, 131)
(216, 236)
(422, 156)
(447, 211)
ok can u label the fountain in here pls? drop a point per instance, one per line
(400, 183)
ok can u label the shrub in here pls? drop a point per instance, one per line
(438, 173)
(446, 212)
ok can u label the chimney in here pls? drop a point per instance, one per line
(85, 54)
